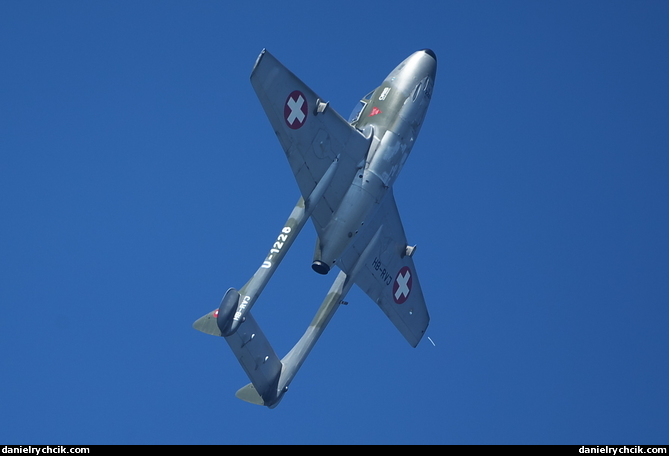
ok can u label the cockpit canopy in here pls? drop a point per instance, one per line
(355, 114)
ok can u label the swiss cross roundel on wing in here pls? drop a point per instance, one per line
(295, 110)
(402, 285)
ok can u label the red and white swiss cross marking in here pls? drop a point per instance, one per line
(295, 110)
(402, 285)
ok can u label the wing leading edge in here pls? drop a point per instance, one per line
(311, 133)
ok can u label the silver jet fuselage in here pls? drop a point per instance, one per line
(393, 114)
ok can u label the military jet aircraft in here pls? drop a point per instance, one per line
(345, 171)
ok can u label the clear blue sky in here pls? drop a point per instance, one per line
(139, 179)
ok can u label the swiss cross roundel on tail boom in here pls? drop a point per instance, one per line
(402, 285)
(295, 110)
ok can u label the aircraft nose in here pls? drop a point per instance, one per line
(428, 62)
(414, 68)
(431, 53)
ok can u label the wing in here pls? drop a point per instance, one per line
(311, 133)
(389, 276)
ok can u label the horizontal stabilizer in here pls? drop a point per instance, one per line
(257, 357)
(254, 353)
